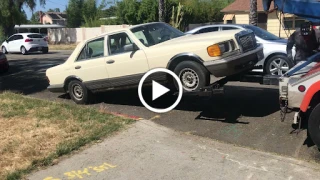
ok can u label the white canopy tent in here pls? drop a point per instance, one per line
(39, 27)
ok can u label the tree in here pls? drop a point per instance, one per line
(89, 9)
(148, 11)
(35, 18)
(127, 11)
(74, 11)
(11, 13)
(162, 10)
(253, 18)
(54, 10)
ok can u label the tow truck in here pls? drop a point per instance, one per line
(299, 88)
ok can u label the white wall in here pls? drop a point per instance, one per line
(75, 35)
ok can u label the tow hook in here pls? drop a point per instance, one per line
(297, 120)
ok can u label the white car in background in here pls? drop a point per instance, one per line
(275, 61)
(25, 43)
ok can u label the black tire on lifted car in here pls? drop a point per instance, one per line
(314, 125)
(192, 75)
(79, 93)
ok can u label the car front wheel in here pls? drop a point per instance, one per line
(4, 50)
(192, 75)
(278, 65)
(79, 93)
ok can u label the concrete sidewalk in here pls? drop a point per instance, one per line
(149, 151)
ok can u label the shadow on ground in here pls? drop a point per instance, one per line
(27, 76)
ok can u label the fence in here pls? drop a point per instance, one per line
(75, 35)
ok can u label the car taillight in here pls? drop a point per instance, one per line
(28, 40)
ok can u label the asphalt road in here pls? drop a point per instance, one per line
(246, 115)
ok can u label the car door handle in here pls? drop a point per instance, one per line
(77, 67)
(110, 62)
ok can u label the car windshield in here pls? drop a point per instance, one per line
(263, 34)
(155, 33)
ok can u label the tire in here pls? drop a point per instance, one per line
(79, 93)
(4, 50)
(23, 50)
(274, 64)
(192, 75)
(314, 125)
(45, 51)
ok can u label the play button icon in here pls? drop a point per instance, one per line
(158, 90)
(158, 99)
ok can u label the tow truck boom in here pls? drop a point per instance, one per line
(307, 9)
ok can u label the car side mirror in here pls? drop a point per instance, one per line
(131, 47)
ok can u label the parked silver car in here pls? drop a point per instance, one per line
(275, 59)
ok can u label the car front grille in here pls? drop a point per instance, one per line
(247, 42)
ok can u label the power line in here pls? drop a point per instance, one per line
(56, 3)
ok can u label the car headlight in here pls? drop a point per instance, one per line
(215, 50)
(220, 48)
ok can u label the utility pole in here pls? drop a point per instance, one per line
(161, 11)
(253, 17)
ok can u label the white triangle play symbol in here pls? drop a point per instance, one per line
(158, 90)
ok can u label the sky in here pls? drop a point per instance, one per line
(52, 4)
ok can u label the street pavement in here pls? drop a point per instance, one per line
(149, 151)
(246, 115)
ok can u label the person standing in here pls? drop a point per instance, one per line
(306, 40)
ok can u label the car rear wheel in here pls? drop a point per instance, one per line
(23, 50)
(192, 75)
(79, 93)
(45, 51)
(4, 50)
(278, 65)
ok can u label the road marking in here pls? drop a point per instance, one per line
(80, 174)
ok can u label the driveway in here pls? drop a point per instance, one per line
(246, 115)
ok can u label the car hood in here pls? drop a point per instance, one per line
(278, 41)
(200, 37)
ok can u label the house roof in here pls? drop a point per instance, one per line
(57, 15)
(243, 6)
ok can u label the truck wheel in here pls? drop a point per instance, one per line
(79, 93)
(314, 125)
(192, 75)
(278, 65)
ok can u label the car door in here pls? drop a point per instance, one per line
(11, 42)
(125, 67)
(17, 43)
(90, 65)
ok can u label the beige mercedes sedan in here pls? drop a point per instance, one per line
(119, 59)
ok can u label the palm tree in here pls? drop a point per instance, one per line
(253, 13)
(11, 12)
(161, 11)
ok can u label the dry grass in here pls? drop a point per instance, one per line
(35, 132)
(62, 46)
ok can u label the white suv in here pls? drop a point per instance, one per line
(25, 43)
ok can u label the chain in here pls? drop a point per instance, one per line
(283, 110)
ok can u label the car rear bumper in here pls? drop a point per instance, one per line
(38, 48)
(235, 64)
(56, 88)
